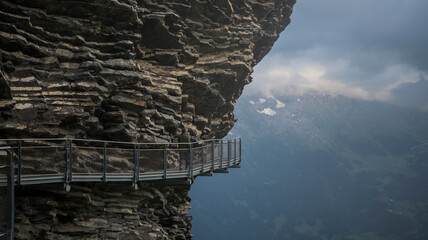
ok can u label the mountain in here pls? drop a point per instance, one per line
(320, 167)
(136, 71)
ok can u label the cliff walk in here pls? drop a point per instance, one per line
(122, 70)
(67, 160)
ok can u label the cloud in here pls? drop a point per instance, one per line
(279, 104)
(308, 73)
(359, 49)
(360, 28)
(267, 111)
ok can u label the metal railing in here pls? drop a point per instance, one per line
(68, 160)
(7, 194)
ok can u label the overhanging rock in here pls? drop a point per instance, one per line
(123, 70)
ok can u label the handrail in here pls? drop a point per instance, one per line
(33, 139)
(108, 141)
(201, 159)
(204, 158)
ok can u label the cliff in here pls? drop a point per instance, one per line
(125, 70)
(130, 70)
(94, 211)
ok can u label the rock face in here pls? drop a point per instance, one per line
(130, 70)
(127, 69)
(90, 211)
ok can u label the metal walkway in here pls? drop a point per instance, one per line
(67, 160)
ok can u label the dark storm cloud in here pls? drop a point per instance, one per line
(387, 26)
(365, 49)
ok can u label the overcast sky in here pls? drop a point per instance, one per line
(366, 49)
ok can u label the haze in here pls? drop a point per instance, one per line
(371, 50)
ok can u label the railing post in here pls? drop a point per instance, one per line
(202, 156)
(165, 156)
(19, 163)
(105, 162)
(229, 152)
(234, 152)
(221, 153)
(240, 152)
(68, 163)
(71, 160)
(10, 199)
(190, 160)
(136, 164)
(212, 155)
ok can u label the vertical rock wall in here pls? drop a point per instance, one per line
(94, 211)
(128, 69)
(132, 70)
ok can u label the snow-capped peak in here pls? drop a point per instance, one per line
(279, 104)
(267, 111)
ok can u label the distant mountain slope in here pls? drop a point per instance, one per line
(320, 167)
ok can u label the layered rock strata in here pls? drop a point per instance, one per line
(130, 70)
(95, 211)
(127, 69)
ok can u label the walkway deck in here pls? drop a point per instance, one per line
(66, 160)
